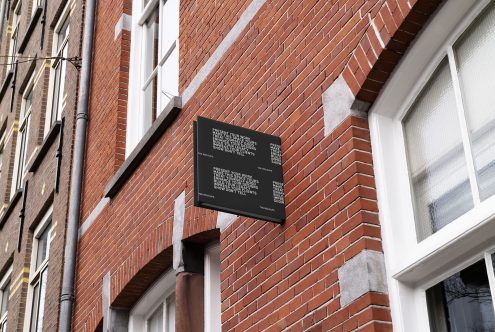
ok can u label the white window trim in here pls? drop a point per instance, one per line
(34, 273)
(137, 124)
(66, 13)
(7, 277)
(35, 5)
(14, 37)
(413, 267)
(24, 117)
(2, 148)
(213, 310)
(154, 297)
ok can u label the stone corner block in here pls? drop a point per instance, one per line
(339, 103)
(362, 274)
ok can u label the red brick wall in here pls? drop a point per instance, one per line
(105, 150)
(272, 79)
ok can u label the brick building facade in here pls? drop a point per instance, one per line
(330, 79)
(39, 73)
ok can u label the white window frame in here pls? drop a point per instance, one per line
(22, 142)
(138, 119)
(3, 10)
(35, 4)
(412, 266)
(57, 63)
(14, 37)
(212, 295)
(7, 277)
(157, 295)
(35, 274)
(2, 148)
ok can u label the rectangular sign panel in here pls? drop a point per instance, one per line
(238, 170)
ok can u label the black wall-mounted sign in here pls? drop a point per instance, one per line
(238, 170)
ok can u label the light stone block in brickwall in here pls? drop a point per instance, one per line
(362, 274)
(339, 103)
(179, 211)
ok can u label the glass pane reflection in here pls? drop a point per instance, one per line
(462, 302)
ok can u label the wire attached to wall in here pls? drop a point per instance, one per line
(75, 61)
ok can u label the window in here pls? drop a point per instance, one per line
(4, 299)
(213, 321)
(16, 18)
(36, 4)
(4, 9)
(58, 71)
(2, 146)
(155, 64)
(39, 274)
(155, 312)
(433, 137)
(22, 138)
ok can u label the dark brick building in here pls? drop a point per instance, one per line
(40, 46)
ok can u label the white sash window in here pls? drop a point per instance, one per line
(155, 312)
(154, 72)
(433, 136)
(5, 283)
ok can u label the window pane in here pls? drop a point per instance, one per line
(151, 27)
(171, 313)
(462, 302)
(436, 156)
(43, 247)
(155, 322)
(63, 33)
(41, 307)
(150, 100)
(5, 299)
(23, 150)
(475, 56)
(170, 78)
(35, 307)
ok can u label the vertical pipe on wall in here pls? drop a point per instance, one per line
(67, 295)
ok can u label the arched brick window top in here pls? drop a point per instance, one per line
(389, 35)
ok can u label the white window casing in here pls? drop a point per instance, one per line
(22, 138)
(14, 37)
(155, 311)
(5, 284)
(40, 254)
(212, 294)
(154, 72)
(58, 70)
(417, 262)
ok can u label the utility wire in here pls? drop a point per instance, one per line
(75, 61)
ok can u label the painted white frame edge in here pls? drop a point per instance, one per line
(27, 90)
(43, 224)
(154, 296)
(211, 250)
(51, 85)
(135, 119)
(411, 270)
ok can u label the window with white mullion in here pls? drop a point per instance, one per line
(155, 311)
(59, 70)
(16, 18)
(491, 274)
(38, 279)
(154, 72)
(23, 137)
(464, 128)
(150, 66)
(5, 283)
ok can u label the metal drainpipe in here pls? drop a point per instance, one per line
(67, 296)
